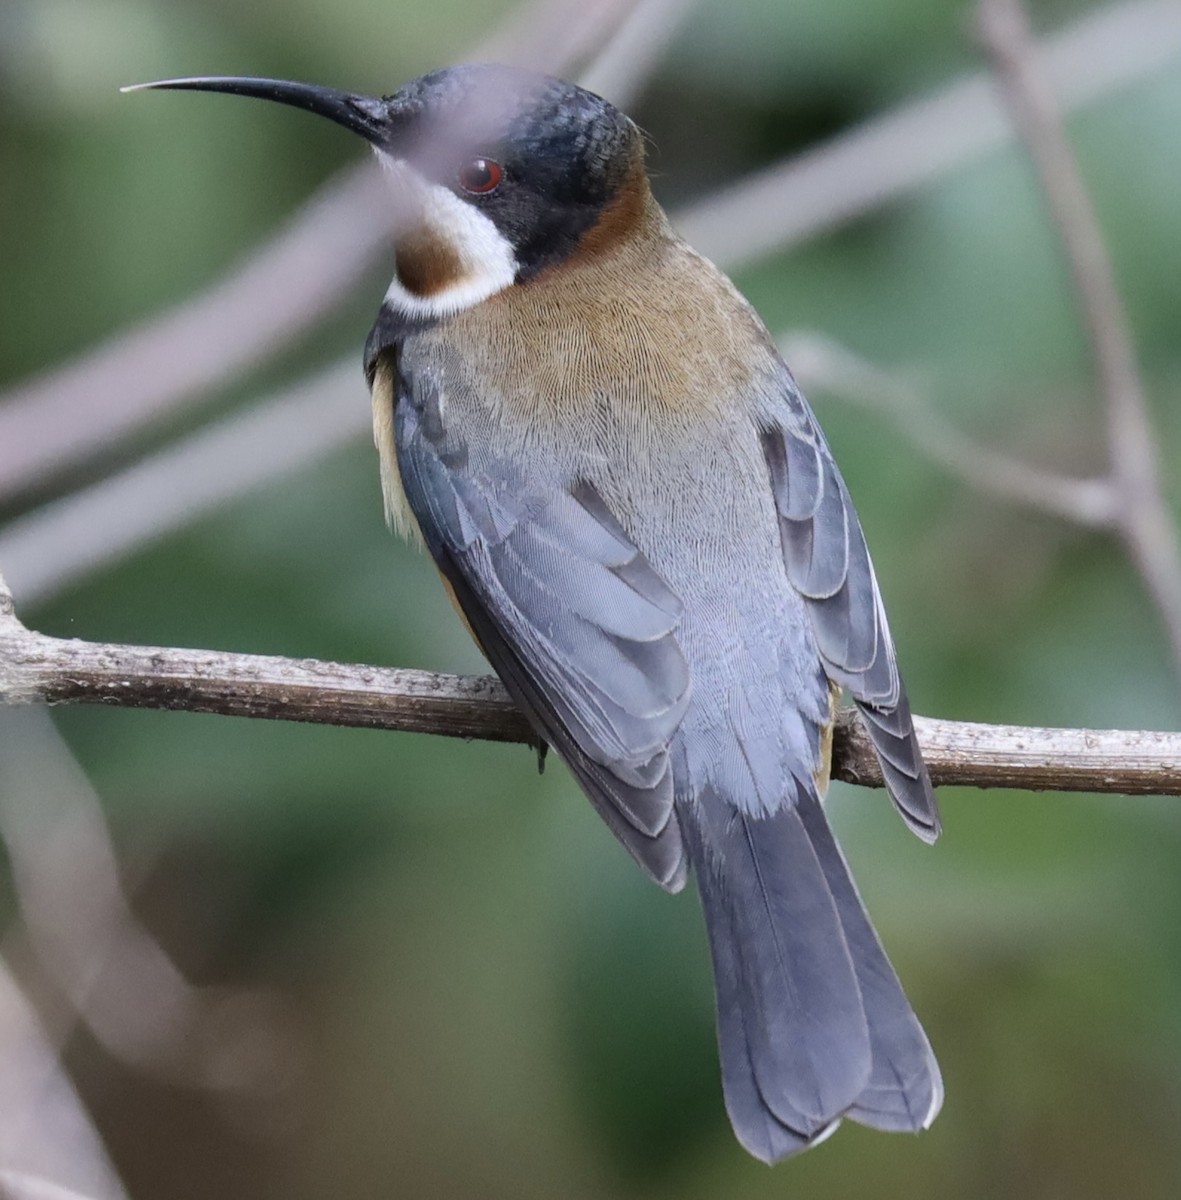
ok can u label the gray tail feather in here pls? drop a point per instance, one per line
(905, 1088)
(812, 1021)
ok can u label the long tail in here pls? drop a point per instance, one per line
(813, 1024)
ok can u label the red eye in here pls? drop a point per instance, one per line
(480, 176)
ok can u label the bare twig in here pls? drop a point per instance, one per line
(71, 413)
(1143, 518)
(822, 364)
(39, 669)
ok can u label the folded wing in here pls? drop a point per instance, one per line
(828, 564)
(575, 620)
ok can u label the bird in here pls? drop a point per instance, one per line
(635, 511)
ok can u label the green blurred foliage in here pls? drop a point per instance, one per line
(494, 1002)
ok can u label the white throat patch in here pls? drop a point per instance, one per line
(485, 263)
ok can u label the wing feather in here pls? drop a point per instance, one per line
(828, 563)
(577, 623)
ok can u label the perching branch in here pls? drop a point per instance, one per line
(1142, 518)
(36, 669)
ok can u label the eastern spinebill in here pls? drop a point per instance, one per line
(639, 518)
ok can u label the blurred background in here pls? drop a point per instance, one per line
(359, 964)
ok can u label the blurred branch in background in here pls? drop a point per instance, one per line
(35, 669)
(822, 364)
(76, 412)
(52, 546)
(115, 977)
(629, 59)
(48, 1143)
(299, 277)
(15, 1185)
(559, 35)
(1142, 518)
(916, 143)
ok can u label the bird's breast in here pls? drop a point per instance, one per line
(643, 346)
(640, 370)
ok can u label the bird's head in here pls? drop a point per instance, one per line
(497, 174)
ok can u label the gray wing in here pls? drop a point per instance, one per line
(829, 565)
(573, 618)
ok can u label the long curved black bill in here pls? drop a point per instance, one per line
(366, 115)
